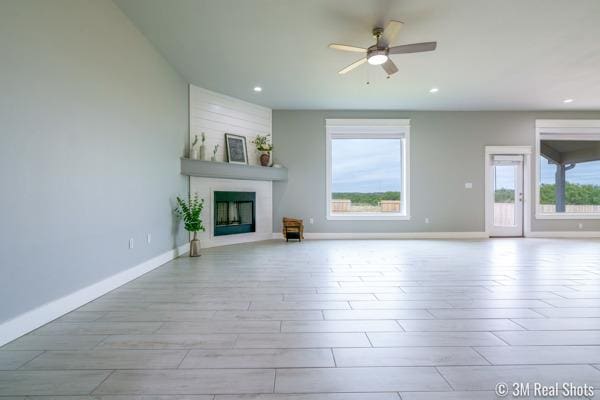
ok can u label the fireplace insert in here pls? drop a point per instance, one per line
(234, 212)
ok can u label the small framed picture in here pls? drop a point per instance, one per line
(236, 149)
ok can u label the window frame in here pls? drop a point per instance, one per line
(586, 129)
(369, 129)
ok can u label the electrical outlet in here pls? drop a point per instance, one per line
(427, 220)
(131, 243)
(148, 237)
(468, 185)
(311, 220)
(580, 225)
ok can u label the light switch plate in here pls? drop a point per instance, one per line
(468, 185)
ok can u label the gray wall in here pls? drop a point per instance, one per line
(447, 150)
(92, 124)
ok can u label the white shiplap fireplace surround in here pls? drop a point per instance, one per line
(216, 114)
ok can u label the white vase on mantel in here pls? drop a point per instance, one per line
(202, 152)
(194, 153)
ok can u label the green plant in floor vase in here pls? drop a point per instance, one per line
(190, 212)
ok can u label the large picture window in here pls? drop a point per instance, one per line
(367, 169)
(568, 169)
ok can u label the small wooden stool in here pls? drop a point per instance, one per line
(293, 228)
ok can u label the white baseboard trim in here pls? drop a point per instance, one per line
(389, 235)
(25, 323)
(438, 235)
(564, 234)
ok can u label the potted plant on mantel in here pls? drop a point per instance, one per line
(264, 146)
(190, 211)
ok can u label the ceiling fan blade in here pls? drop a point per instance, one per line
(344, 47)
(352, 66)
(413, 48)
(389, 67)
(390, 33)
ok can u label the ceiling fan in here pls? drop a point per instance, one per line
(379, 53)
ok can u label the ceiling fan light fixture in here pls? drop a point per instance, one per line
(377, 58)
(378, 54)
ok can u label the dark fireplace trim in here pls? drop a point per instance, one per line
(227, 196)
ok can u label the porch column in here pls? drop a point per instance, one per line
(561, 186)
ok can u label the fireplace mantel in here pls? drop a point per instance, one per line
(223, 170)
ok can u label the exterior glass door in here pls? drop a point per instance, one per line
(507, 187)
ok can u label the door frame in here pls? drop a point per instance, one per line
(525, 151)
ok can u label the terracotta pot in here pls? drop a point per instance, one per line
(265, 158)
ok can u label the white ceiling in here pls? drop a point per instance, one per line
(492, 55)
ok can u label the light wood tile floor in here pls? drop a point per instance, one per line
(327, 320)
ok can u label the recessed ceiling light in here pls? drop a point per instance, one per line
(257, 89)
(434, 90)
(568, 101)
